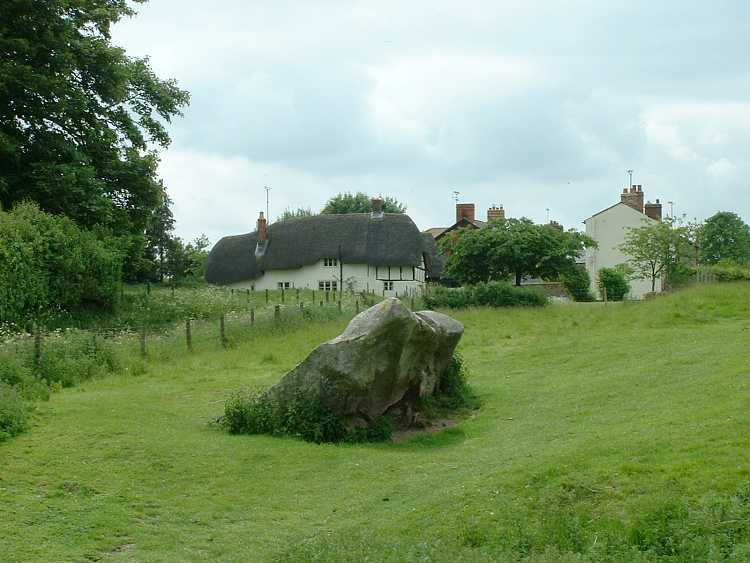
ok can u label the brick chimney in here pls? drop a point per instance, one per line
(494, 213)
(376, 204)
(633, 197)
(464, 210)
(653, 210)
(261, 228)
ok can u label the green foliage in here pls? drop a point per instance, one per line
(255, 413)
(13, 412)
(728, 272)
(453, 392)
(492, 294)
(577, 283)
(290, 214)
(615, 282)
(78, 117)
(569, 459)
(360, 203)
(48, 264)
(658, 248)
(724, 237)
(513, 248)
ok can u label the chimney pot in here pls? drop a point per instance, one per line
(376, 204)
(495, 212)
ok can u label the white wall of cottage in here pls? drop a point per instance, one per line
(361, 277)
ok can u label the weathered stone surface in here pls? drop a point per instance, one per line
(386, 356)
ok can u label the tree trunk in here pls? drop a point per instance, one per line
(518, 278)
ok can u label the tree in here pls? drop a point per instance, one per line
(187, 261)
(724, 236)
(290, 214)
(359, 203)
(657, 248)
(79, 119)
(514, 248)
(159, 235)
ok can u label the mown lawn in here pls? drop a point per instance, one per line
(617, 433)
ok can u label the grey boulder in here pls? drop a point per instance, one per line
(386, 358)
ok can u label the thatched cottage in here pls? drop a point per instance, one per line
(382, 252)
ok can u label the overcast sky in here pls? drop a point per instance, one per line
(532, 105)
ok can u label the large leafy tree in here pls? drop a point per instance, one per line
(79, 119)
(657, 249)
(514, 248)
(724, 236)
(360, 203)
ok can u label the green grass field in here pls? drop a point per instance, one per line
(606, 433)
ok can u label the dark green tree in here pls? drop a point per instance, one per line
(187, 261)
(159, 235)
(724, 237)
(360, 203)
(514, 248)
(80, 121)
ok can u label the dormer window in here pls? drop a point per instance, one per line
(329, 262)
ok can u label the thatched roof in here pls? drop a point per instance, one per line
(391, 240)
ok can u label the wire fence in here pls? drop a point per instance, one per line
(69, 355)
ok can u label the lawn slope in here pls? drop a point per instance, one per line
(606, 433)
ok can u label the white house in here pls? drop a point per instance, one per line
(381, 252)
(609, 227)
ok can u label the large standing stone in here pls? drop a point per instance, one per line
(386, 356)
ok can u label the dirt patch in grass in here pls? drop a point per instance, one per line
(432, 427)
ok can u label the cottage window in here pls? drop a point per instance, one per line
(330, 261)
(387, 286)
(328, 285)
(284, 285)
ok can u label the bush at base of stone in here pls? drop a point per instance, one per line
(13, 412)
(492, 294)
(254, 413)
(453, 392)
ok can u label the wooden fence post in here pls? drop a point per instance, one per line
(328, 294)
(148, 288)
(301, 305)
(247, 292)
(321, 302)
(143, 341)
(173, 291)
(313, 296)
(276, 312)
(266, 297)
(339, 305)
(604, 293)
(37, 347)
(282, 294)
(297, 290)
(252, 316)
(222, 331)
(412, 302)
(188, 335)
(356, 307)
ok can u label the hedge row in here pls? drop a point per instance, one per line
(492, 294)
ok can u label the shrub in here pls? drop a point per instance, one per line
(615, 282)
(47, 263)
(15, 373)
(254, 413)
(728, 271)
(577, 282)
(13, 412)
(493, 294)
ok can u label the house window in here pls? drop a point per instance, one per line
(330, 261)
(284, 285)
(387, 286)
(328, 285)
